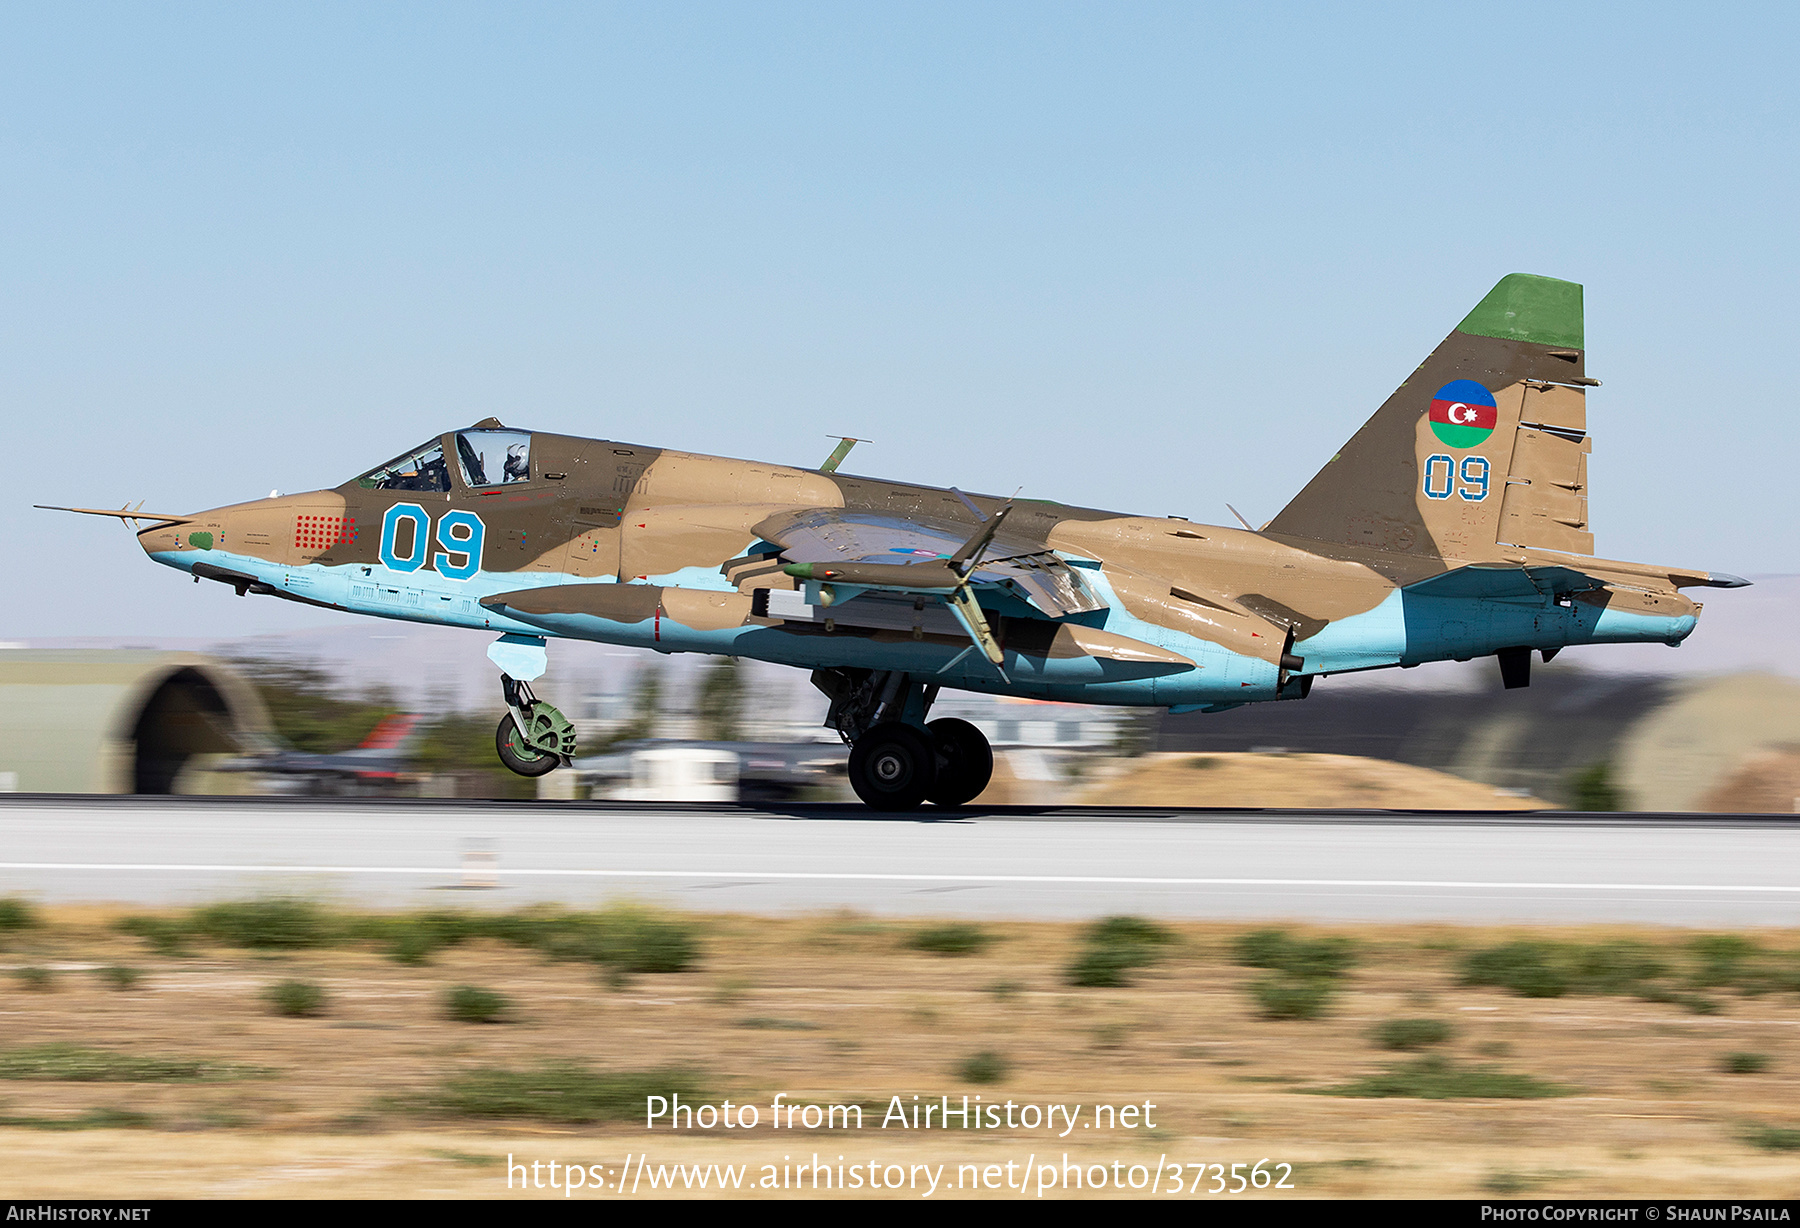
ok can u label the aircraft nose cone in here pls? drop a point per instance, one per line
(162, 540)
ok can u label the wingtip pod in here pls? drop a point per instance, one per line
(1526, 307)
(1724, 579)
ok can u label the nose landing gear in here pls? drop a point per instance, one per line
(897, 760)
(533, 738)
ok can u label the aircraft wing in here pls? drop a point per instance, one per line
(879, 549)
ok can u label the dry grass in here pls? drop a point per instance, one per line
(350, 1105)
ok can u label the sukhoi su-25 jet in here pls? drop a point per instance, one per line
(1453, 525)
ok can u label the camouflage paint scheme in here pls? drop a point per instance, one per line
(1376, 563)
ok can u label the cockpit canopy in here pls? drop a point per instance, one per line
(494, 457)
(423, 468)
(485, 457)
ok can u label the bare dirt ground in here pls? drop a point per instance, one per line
(1298, 781)
(837, 1010)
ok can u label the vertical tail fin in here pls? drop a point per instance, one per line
(392, 732)
(1484, 446)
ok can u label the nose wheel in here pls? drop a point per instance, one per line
(519, 755)
(534, 738)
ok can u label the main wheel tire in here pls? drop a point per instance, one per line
(965, 762)
(517, 754)
(893, 766)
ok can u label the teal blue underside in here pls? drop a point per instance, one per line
(1406, 629)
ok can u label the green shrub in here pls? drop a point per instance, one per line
(80, 1064)
(984, 1067)
(1744, 1063)
(626, 939)
(296, 999)
(1723, 948)
(1592, 789)
(1614, 967)
(92, 1119)
(1260, 948)
(1773, 1138)
(39, 980)
(267, 924)
(953, 939)
(412, 945)
(16, 914)
(1112, 947)
(1411, 1033)
(1291, 997)
(118, 976)
(1128, 930)
(1434, 1078)
(1529, 969)
(1280, 951)
(165, 937)
(471, 1004)
(1712, 961)
(1103, 967)
(559, 1092)
(1722, 959)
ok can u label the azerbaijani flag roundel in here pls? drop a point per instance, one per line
(1463, 413)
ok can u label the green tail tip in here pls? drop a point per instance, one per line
(1524, 307)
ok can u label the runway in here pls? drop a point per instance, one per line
(1691, 870)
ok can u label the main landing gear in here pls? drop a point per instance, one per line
(534, 738)
(897, 759)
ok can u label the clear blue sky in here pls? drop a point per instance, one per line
(1151, 257)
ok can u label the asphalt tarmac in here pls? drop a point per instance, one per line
(1687, 870)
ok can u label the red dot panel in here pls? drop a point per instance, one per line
(316, 534)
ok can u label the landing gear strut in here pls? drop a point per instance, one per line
(897, 760)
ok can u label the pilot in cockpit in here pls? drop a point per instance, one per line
(518, 464)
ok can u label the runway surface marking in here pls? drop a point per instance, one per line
(498, 872)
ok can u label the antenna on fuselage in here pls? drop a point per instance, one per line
(840, 452)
